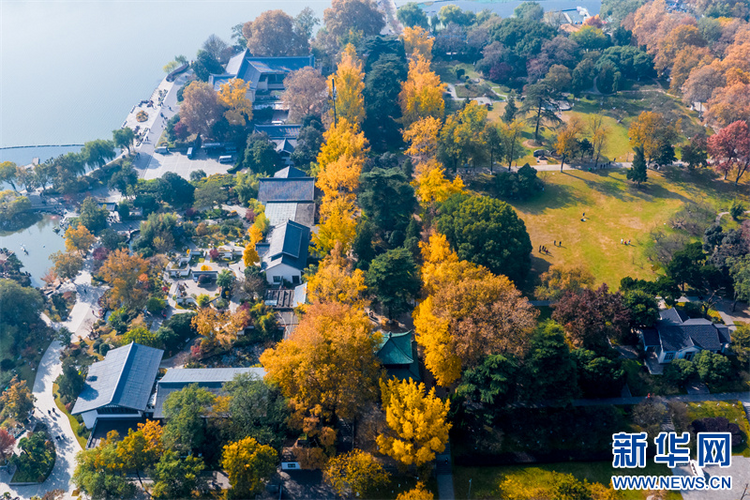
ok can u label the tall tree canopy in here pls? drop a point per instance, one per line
(274, 33)
(487, 232)
(355, 15)
(469, 313)
(349, 81)
(200, 108)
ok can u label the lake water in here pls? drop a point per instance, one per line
(70, 71)
(40, 241)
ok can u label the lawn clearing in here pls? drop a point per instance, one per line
(615, 209)
(485, 481)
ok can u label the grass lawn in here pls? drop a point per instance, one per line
(615, 209)
(731, 410)
(73, 422)
(485, 481)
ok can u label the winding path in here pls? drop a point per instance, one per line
(79, 322)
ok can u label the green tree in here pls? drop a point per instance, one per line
(598, 376)
(123, 138)
(741, 343)
(225, 279)
(490, 384)
(247, 463)
(210, 194)
(411, 14)
(387, 198)
(205, 64)
(19, 305)
(487, 232)
(185, 411)
(141, 335)
(541, 106)
(394, 279)
(529, 10)
(70, 381)
(382, 111)
(713, 368)
(92, 215)
(257, 410)
(510, 109)
(550, 371)
(644, 310)
(176, 477)
(678, 371)
(260, 155)
(155, 305)
(638, 172)
(97, 153)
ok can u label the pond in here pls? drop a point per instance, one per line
(40, 241)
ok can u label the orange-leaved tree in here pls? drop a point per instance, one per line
(327, 369)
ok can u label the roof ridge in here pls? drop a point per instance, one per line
(127, 362)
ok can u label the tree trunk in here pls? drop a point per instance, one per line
(562, 163)
(538, 119)
(596, 161)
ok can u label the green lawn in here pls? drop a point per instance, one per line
(615, 209)
(485, 481)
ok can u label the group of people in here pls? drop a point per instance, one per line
(543, 249)
(624, 242)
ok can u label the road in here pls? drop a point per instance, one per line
(79, 322)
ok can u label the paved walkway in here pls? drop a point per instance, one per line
(147, 146)
(79, 322)
(444, 474)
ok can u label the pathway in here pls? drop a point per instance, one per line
(79, 322)
(169, 108)
(744, 397)
(444, 474)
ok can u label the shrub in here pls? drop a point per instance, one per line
(141, 116)
(156, 305)
(213, 253)
(521, 185)
(104, 349)
(720, 424)
(203, 300)
(737, 209)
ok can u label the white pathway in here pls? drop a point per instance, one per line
(79, 322)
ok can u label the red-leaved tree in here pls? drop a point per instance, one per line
(730, 149)
(7, 441)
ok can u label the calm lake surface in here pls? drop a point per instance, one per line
(70, 71)
(40, 241)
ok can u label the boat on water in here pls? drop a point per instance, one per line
(24, 249)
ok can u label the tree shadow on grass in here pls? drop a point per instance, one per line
(704, 183)
(554, 196)
(539, 266)
(626, 191)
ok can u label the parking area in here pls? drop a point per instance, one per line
(181, 165)
(740, 472)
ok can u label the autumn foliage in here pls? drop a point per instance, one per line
(468, 313)
(417, 422)
(422, 93)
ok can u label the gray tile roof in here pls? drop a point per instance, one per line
(288, 244)
(286, 190)
(211, 379)
(124, 378)
(678, 332)
(279, 131)
(279, 213)
(650, 337)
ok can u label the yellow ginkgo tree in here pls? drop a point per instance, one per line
(417, 422)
